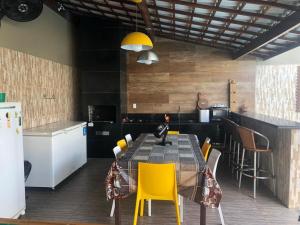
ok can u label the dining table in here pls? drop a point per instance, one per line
(194, 178)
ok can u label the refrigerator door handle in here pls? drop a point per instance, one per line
(8, 107)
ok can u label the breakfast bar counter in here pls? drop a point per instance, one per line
(284, 136)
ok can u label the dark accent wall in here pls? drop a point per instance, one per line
(102, 66)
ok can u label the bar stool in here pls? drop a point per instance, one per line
(234, 140)
(248, 140)
(235, 159)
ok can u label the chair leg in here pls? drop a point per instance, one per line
(221, 215)
(254, 175)
(242, 165)
(181, 207)
(137, 204)
(238, 161)
(149, 207)
(229, 155)
(112, 211)
(142, 207)
(273, 173)
(233, 156)
(177, 211)
(258, 169)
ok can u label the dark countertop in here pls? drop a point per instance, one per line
(171, 123)
(277, 122)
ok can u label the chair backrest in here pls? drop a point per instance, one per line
(128, 138)
(117, 152)
(207, 140)
(213, 160)
(205, 150)
(122, 144)
(157, 181)
(247, 137)
(173, 132)
(232, 127)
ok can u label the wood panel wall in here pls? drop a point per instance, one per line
(185, 69)
(46, 89)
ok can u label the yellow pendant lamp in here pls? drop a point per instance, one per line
(136, 41)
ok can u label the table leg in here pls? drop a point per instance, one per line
(202, 215)
(117, 212)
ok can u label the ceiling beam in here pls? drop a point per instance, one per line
(259, 25)
(162, 23)
(252, 20)
(270, 3)
(194, 41)
(196, 36)
(220, 19)
(222, 9)
(282, 50)
(146, 17)
(211, 14)
(286, 25)
(211, 25)
(239, 8)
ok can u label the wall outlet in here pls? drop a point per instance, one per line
(134, 105)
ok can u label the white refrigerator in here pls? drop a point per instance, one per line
(12, 185)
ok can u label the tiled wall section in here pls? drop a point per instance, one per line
(47, 90)
(295, 170)
(275, 93)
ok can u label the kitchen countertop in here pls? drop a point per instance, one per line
(52, 129)
(277, 122)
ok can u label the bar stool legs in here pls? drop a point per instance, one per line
(242, 167)
(256, 170)
(229, 155)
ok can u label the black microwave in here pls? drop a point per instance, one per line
(216, 113)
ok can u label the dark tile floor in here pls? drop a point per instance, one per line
(81, 198)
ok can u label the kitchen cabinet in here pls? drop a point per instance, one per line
(55, 151)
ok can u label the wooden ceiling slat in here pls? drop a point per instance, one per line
(190, 21)
(238, 8)
(199, 32)
(176, 25)
(289, 23)
(208, 37)
(156, 13)
(251, 21)
(222, 9)
(127, 13)
(211, 14)
(220, 19)
(211, 25)
(270, 3)
(195, 41)
(208, 31)
(111, 9)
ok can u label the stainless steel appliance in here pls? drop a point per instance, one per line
(216, 113)
(204, 115)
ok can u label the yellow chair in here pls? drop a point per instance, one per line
(122, 144)
(205, 150)
(173, 132)
(156, 182)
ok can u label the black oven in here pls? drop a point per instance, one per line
(216, 113)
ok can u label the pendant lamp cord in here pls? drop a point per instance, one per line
(135, 17)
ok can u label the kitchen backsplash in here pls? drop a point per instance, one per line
(46, 89)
